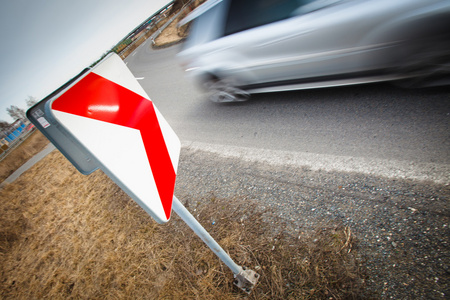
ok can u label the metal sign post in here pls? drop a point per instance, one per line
(86, 118)
(245, 279)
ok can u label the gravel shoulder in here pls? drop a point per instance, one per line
(401, 225)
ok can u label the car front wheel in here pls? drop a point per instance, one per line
(222, 90)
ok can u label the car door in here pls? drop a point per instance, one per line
(319, 40)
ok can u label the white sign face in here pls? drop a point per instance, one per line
(110, 114)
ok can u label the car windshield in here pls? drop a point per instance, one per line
(243, 15)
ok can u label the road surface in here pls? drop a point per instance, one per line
(376, 129)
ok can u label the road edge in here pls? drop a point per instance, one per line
(393, 169)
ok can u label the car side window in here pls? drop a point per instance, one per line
(246, 14)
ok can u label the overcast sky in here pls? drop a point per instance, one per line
(47, 42)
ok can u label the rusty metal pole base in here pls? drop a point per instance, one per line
(246, 280)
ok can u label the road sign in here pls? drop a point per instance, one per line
(110, 114)
(103, 118)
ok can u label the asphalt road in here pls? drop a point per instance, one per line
(376, 129)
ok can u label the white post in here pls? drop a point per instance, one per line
(245, 278)
(187, 217)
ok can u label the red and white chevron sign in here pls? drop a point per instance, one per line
(109, 113)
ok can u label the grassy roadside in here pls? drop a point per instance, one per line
(68, 236)
(172, 34)
(30, 147)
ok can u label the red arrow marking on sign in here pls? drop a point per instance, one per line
(97, 98)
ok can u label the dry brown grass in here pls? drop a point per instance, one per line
(31, 146)
(68, 236)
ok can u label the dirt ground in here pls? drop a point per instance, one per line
(173, 34)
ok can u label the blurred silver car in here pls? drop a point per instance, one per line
(238, 47)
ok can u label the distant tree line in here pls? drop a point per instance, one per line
(17, 113)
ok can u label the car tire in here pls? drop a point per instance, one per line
(222, 91)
